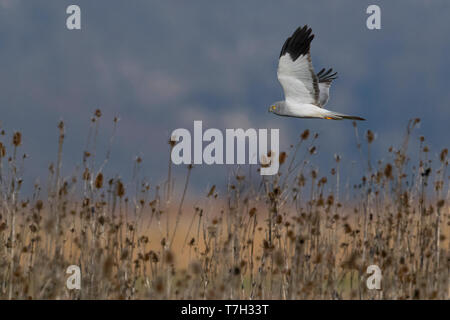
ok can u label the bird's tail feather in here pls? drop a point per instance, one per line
(340, 116)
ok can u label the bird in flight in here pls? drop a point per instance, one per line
(306, 93)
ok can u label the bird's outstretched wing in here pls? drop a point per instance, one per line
(325, 79)
(295, 70)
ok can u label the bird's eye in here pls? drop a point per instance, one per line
(273, 107)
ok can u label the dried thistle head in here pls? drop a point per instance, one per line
(330, 200)
(388, 171)
(120, 189)
(2, 150)
(169, 257)
(282, 157)
(370, 136)
(17, 139)
(61, 125)
(39, 205)
(99, 181)
(443, 155)
(305, 134)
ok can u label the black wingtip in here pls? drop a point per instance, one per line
(354, 118)
(298, 43)
(326, 76)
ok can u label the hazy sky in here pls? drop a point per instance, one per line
(160, 65)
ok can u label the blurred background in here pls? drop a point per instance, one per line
(160, 65)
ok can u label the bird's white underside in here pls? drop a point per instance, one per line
(297, 79)
(305, 92)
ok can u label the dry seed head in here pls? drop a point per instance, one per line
(301, 180)
(330, 200)
(347, 228)
(17, 139)
(443, 155)
(120, 189)
(388, 171)
(61, 126)
(305, 134)
(279, 219)
(39, 205)
(99, 181)
(282, 157)
(320, 201)
(2, 150)
(370, 136)
(98, 113)
(169, 258)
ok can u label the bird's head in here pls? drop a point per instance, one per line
(276, 107)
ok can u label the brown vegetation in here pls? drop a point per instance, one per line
(291, 236)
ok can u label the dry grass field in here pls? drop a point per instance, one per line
(302, 234)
